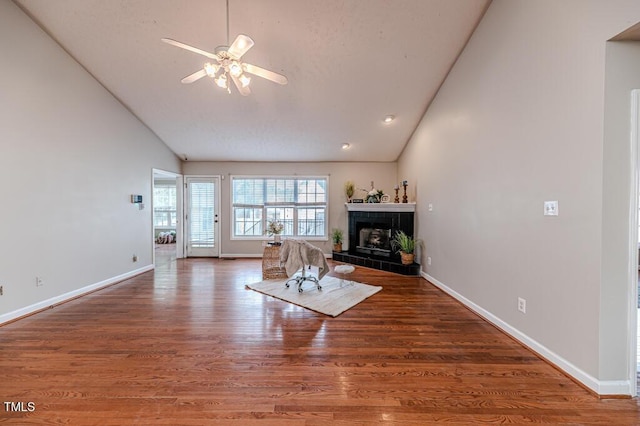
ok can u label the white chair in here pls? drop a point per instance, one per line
(299, 255)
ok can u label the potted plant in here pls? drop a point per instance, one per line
(405, 245)
(349, 189)
(337, 238)
(374, 196)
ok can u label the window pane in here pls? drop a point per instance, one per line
(164, 205)
(311, 221)
(247, 221)
(280, 190)
(312, 191)
(283, 215)
(201, 220)
(248, 191)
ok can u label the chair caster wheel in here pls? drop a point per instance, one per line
(300, 290)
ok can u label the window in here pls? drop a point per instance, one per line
(164, 205)
(299, 203)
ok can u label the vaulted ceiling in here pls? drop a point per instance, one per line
(349, 64)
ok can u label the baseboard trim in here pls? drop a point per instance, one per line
(603, 388)
(57, 300)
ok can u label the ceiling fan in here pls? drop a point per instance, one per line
(227, 64)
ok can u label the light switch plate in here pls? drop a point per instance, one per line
(551, 208)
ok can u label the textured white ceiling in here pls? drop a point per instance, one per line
(349, 63)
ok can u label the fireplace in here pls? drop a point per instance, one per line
(371, 229)
(374, 240)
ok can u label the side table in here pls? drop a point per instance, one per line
(271, 267)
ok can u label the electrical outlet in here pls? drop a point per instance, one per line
(522, 305)
(428, 260)
(39, 282)
(135, 258)
(430, 207)
(1, 290)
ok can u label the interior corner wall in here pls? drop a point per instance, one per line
(362, 174)
(622, 75)
(72, 155)
(519, 121)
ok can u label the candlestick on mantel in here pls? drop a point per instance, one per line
(404, 197)
(397, 199)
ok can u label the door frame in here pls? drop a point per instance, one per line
(179, 228)
(632, 315)
(185, 201)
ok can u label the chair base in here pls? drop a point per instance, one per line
(299, 280)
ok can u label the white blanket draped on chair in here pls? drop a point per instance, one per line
(296, 254)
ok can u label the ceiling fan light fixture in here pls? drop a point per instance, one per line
(211, 69)
(221, 81)
(245, 80)
(235, 69)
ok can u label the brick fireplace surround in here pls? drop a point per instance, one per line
(386, 219)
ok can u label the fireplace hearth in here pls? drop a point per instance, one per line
(371, 229)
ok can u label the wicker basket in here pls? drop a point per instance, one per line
(271, 267)
(406, 258)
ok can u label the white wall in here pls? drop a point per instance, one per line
(519, 121)
(71, 157)
(382, 174)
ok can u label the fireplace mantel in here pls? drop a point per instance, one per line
(381, 207)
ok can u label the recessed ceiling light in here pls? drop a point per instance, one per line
(389, 118)
(346, 146)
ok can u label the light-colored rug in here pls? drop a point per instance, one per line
(334, 298)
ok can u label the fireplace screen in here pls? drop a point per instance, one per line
(375, 240)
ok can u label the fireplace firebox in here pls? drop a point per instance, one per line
(374, 240)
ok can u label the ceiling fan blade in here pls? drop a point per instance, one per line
(240, 46)
(190, 48)
(244, 90)
(193, 77)
(269, 75)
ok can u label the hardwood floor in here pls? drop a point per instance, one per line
(187, 344)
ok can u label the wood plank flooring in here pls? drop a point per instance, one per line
(187, 344)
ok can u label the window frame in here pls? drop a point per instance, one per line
(166, 211)
(277, 204)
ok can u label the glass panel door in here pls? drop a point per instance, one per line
(202, 216)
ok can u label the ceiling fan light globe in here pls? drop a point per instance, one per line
(221, 81)
(210, 69)
(245, 80)
(235, 69)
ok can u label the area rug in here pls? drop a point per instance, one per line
(334, 298)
